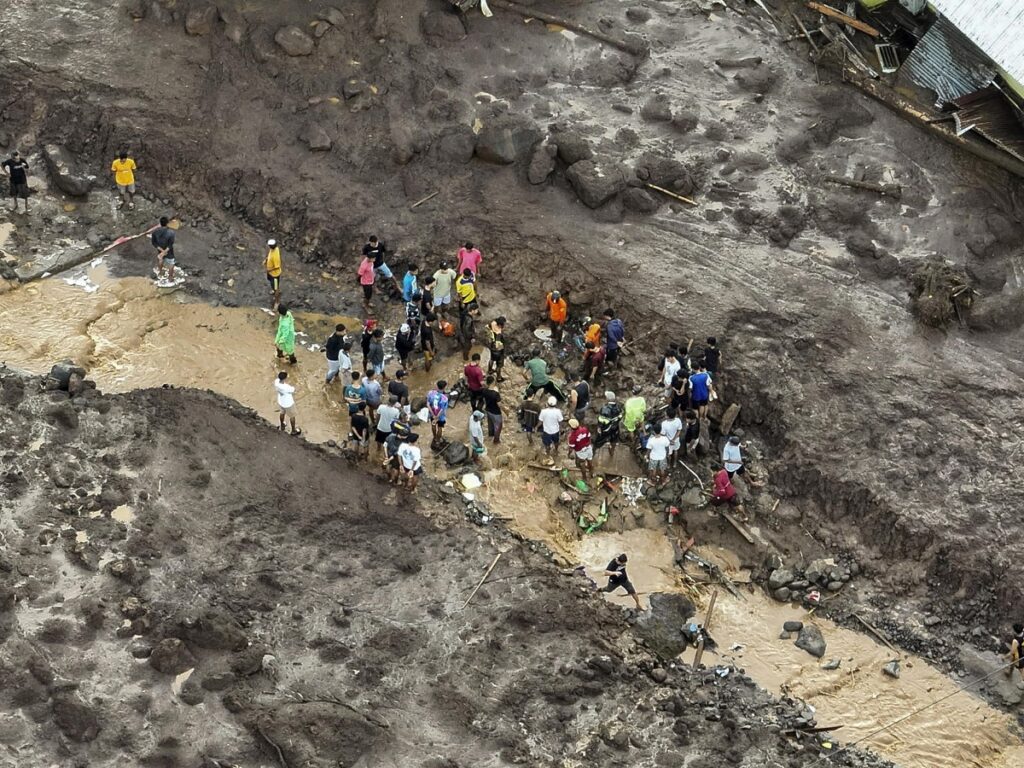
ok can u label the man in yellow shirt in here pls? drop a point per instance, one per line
(465, 287)
(124, 175)
(273, 267)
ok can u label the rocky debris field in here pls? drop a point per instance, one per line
(173, 597)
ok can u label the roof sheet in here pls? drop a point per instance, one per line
(995, 26)
(989, 113)
(947, 62)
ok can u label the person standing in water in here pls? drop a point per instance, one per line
(285, 338)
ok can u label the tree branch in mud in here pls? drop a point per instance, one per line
(636, 48)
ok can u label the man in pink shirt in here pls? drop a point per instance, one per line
(469, 258)
(366, 276)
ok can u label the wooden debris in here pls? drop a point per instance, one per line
(418, 203)
(939, 292)
(806, 34)
(846, 19)
(877, 633)
(740, 528)
(711, 610)
(729, 418)
(487, 573)
(671, 194)
(894, 191)
(637, 48)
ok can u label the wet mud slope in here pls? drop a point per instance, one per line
(173, 597)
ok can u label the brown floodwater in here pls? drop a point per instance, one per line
(130, 335)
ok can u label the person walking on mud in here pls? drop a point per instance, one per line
(359, 432)
(614, 337)
(1016, 653)
(427, 341)
(657, 458)
(496, 347)
(617, 577)
(469, 257)
(437, 410)
(16, 169)
(286, 401)
(557, 310)
(474, 375)
(364, 341)
(476, 437)
(581, 448)
(410, 283)
(579, 397)
(272, 264)
(367, 276)
(551, 428)
(163, 240)
(285, 338)
(376, 251)
(375, 353)
(336, 351)
(492, 409)
(124, 169)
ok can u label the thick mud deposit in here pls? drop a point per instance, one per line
(889, 446)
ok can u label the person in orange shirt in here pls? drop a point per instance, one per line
(558, 313)
(592, 334)
(124, 176)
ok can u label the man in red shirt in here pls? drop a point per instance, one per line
(593, 361)
(723, 492)
(581, 448)
(470, 258)
(475, 382)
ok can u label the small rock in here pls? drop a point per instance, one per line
(782, 594)
(316, 138)
(834, 586)
(171, 657)
(793, 626)
(294, 41)
(931, 621)
(784, 635)
(831, 664)
(781, 577)
(200, 20)
(810, 639)
(657, 109)
(892, 669)
(140, 649)
(659, 675)
(638, 14)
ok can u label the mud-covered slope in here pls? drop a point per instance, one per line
(181, 585)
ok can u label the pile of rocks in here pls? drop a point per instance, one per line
(791, 584)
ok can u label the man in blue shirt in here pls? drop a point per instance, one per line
(437, 408)
(701, 389)
(409, 285)
(615, 334)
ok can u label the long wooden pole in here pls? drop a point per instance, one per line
(637, 49)
(482, 580)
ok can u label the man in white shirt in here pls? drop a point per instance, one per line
(657, 457)
(409, 456)
(668, 372)
(732, 459)
(550, 419)
(672, 428)
(476, 436)
(386, 416)
(286, 401)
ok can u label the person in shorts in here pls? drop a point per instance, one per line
(617, 577)
(338, 361)
(701, 390)
(392, 464)
(17, 169)
(373, 392)
(359, 432)
(272, 264)
(286, 401)
(657, 457)
(530, 415)
(397, 388)
(437, 408)
(672, 428)
(551, 426)
(412, 462)
(377, 252)
(163, 240)
(386, 416)
(581, 448)
(444, 284)
(124, 169)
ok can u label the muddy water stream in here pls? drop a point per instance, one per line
(131, 336)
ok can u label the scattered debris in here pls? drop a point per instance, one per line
(939, 293)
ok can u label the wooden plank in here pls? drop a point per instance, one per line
(805, 33)
(487, 573)
(857, 24)
(739, 527)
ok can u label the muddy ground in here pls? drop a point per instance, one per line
(889, 445)
(172, 597)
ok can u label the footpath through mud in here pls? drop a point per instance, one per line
(132, 336)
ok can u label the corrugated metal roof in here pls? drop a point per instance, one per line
(995, 26)
(947, 62)
(990, 114)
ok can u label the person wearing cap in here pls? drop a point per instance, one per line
(496, 346)
(557, 312)
(535, 372)
(285, 338)
(376, 251)
(444, 282)
(581, 448)
(469, 257)
(551, 426)
(405, 344)
(273, 266)
(338, 360)
(124, 169)
(476, 436)
(617, 577)
(399, 389)
(16, 169)
(367, 276)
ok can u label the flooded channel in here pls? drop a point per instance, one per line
(130, 336)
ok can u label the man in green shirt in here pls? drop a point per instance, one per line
(535, 372)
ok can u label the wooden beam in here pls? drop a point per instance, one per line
(838, 15)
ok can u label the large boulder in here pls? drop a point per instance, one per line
(201, 19)
(503, 141)
(456, 144)
(572, 147)
(662, 626)
(61, 374)
(66, 174)
(665, 172)
(294, 41)
(597, 181)
(542, 164)
(811, 640)
(781, 577)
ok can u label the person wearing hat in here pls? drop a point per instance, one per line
(405, 343)
(273, 266)
(551, 426)
(617, 577)
(558, 312)
(124, 169)
(476, 436)
(581, 448)
(285, 338)
(17, 169)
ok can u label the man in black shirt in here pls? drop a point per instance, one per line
(492, 409)
(376, 250)
(427, 340)
(398, 388)
(359, 433)
(163, 240)
(712, 358)
(332, 348)
(17, 168)
(617, 577)
(691, 437)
